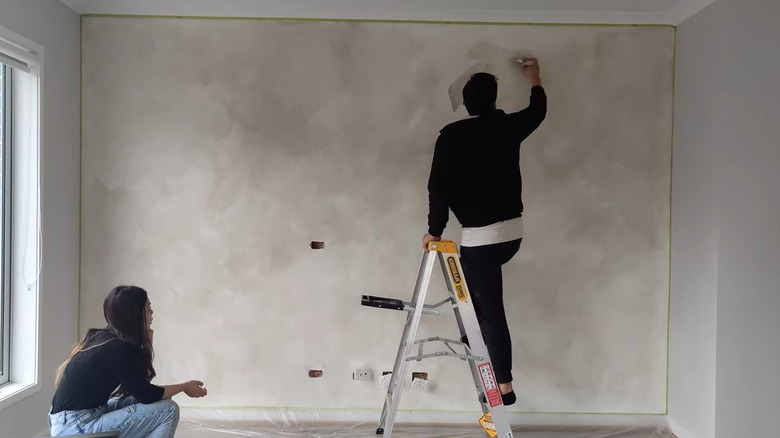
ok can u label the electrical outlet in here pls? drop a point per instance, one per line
(363, 374)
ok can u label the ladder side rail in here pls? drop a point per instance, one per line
(394, 390)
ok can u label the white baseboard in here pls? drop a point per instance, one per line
(678, 430)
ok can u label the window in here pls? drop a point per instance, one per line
(21, 70)
(5, 289)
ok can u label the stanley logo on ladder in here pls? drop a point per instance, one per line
(494, 420)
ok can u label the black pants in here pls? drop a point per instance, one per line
(482, 268)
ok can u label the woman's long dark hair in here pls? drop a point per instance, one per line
(124, 311)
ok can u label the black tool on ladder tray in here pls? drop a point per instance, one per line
(494, 419)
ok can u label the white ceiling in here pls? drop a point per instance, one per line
(524, 11)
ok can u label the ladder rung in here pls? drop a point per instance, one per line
(382, 302)
(420, 357)
(452, 353)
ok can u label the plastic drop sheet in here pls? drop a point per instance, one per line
(231, 425)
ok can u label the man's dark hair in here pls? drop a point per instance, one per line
(479, 94)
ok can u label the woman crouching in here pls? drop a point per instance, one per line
(105, 384)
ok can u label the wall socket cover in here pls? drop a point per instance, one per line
(363, 374)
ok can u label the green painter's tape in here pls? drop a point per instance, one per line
(345, 20)
(369, 20)
(671, 193)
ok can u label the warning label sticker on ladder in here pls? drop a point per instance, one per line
(487, 423)
(489, 382)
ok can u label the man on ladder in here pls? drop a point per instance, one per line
(475, 173)
(485, 197)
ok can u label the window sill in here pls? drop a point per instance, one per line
(11, 393)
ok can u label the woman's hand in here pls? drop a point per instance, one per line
(195, 389)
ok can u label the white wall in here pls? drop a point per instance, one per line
(56, 27)
(695, 239)
(726, 160)
(748, 356)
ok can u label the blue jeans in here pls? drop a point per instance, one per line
(128, 417)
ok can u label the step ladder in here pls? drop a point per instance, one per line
(495, 420)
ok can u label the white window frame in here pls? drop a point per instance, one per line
(5, 210)
(26, 59)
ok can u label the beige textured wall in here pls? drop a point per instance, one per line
(215, 151)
